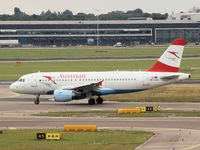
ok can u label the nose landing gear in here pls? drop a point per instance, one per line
(37, 101)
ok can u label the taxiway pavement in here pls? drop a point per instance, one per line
(171, 133)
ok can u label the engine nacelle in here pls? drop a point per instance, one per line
(67, 95)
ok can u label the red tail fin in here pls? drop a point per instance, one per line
(171, 58)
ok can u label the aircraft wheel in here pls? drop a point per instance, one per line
(99, 100)
(91, 101)
(37, 102)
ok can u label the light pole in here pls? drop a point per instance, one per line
(97, 27)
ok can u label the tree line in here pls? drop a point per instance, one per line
(68, 15)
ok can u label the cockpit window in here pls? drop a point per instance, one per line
(21, 80)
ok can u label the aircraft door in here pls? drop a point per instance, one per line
(34, 82)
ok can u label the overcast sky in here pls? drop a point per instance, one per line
(97, 6)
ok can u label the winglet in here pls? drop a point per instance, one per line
(100, 83)
(171, 59)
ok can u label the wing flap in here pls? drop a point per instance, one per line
(85, 88)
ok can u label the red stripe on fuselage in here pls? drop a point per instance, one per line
(160, 67)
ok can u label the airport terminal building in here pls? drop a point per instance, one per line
(106, 33)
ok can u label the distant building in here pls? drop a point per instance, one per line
(186, 16)
(193, 14)
(107, 33)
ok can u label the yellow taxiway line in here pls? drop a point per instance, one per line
(195, 146)
(12, 96)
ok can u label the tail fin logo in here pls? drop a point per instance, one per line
(175, 54)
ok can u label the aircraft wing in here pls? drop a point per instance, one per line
(171, 77)
(85, 88)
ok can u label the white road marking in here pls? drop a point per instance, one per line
(96, 109)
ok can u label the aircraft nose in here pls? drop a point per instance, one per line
(12, 87)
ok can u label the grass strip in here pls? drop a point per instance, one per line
(112, 113)
(169, 93)
(10, 71)
(103, 139)
(87, 52)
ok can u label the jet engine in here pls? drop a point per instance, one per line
(67, 95)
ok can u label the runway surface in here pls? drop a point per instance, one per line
(171, 133)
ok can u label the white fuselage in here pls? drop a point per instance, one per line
(68, 86)
(113, 82)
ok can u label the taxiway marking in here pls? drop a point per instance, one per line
(12, 96)
(195, 146)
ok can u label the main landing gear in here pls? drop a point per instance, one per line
(37, 101)
(99, 100)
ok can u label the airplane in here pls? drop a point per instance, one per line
(68, 86)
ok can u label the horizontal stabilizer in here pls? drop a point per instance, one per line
(169, 77)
